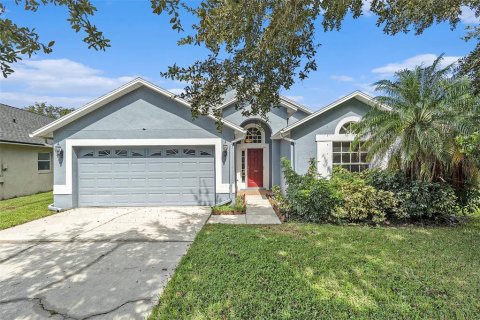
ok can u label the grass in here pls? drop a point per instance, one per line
(23, 209)
(308, 271)
(239, 207)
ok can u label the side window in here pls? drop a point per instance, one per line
(44, 161)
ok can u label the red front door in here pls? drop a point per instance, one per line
(255, 168)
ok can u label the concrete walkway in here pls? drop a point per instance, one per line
(93, 263)
(259, 211)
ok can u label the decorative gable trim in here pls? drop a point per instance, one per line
(363, 97)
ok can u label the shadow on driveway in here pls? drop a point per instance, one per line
(97, 263)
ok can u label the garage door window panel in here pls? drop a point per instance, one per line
(189, 152)
(171, 152)
(104, 153)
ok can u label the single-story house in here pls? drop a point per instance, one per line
(138, 145)
(25, 162)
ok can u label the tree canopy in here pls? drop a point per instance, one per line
(257, 47)
(49, 110)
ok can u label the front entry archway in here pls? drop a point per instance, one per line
(253, 157)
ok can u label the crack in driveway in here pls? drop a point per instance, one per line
(88, 265)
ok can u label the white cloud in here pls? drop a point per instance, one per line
(468, 16)
(366, 8)
(296, 98)
(410, 63)
(62, 75)
(342, 78)
(21, 99)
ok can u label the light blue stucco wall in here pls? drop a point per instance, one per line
(141, 114)
(305, 134)
(277, 120)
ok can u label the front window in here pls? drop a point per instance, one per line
(352, 159)
(44, 161)
(347, 128)
(254, 135)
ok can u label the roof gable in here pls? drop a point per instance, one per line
(363, 97)
(48, 130)
(284, 102)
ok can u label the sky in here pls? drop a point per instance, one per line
(143, 44)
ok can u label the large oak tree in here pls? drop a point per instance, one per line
(256, 47)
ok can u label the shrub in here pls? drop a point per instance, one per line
(418, 200)
(362, 202)
(309, 197)
(469, 197)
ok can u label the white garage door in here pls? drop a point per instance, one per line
(146, 176)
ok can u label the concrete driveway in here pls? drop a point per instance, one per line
(93, 263)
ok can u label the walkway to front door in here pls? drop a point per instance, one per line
(259, 211)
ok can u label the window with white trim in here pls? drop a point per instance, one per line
(254, 135)
(44, 162)
(352, 159)
(347, 128)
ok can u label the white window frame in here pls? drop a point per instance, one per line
(49, 162)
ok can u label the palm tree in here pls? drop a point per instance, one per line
(427, 109)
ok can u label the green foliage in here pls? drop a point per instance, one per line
(49, 110)
(362, 202)
(259, 47)
(239, 206)
(428, 110)
(17, 41)
(309, 197)
(418, 200)
(24, 209)
(373, 196)
(309, 271)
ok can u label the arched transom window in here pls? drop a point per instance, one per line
(347, 128)
(254, 135)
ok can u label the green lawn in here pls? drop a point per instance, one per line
(23, 209)
(307, 271)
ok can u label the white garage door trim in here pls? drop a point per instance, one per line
(71, 143)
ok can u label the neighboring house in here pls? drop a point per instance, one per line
(25, 162)
(138, 145)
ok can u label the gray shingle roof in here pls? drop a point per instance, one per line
(16, 125)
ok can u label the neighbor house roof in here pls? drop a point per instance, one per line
(16, 125)
(48, 130)
(363, 97)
